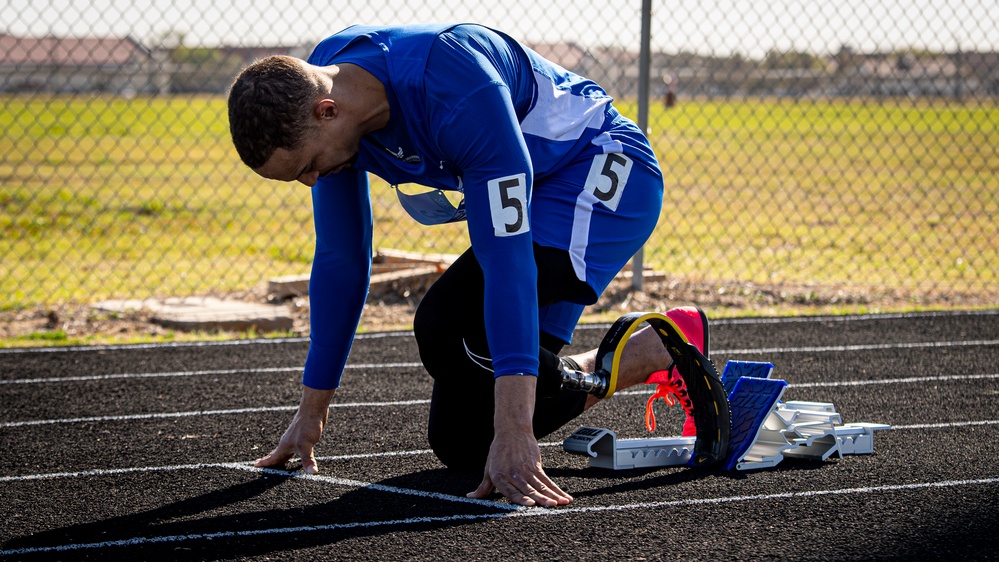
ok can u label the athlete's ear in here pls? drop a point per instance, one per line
(327, 108)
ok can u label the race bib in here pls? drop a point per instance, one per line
(508, 202)
(607, 178)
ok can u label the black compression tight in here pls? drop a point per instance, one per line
(450, 316)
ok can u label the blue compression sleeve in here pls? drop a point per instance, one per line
(341, 271)
(498, 177)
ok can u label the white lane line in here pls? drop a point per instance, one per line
(196, 413)
(383, 454)
(858, 347)
(416, 364)
(114, 471)
(374, 486)
(830, 384)
(196, 466)
(643, 391)
(518, 512)
(129, 417)
(248, 467)
(946, 425)
(904, 380)
(130, 346)
(759, 497)
(200, 373)
(409, 333)
(150, 375)
(857, 317)
(169, 345)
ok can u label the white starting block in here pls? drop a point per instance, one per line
(806, 430)
(764, 430)
(607, 451)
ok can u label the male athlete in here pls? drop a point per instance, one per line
(559, 191)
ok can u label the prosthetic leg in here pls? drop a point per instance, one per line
(708, 404)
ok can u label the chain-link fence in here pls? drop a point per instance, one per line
(848, 144)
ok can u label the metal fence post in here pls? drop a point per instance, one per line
(644, 56)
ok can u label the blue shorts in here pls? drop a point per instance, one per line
(601, 208)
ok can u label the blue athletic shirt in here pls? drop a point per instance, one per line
(473, 111)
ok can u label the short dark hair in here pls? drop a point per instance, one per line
(269, 107)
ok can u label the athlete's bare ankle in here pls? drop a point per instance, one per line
(587, 360)
(643, 355)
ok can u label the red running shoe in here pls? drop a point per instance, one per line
(670, 387)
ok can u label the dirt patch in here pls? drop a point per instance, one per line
(394, 309)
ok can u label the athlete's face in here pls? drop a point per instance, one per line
(328, 147)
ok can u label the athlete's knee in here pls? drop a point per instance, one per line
(423, 325)
(431, 336)
(456, 451)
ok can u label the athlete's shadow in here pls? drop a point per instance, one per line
(269, 513)
(663, 478)
(623, 481)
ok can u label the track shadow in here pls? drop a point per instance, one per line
(253, 517)
(217, 525)
(631, 480)
(639, 479)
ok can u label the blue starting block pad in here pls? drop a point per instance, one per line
(735, 370)
(765, 430)
(752, 401)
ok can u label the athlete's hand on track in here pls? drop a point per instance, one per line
(513, 467)
(304, 432)
(514, 470)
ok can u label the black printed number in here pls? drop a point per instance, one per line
(508, 204)
(609, 171)
(511, 202)
(608, 178)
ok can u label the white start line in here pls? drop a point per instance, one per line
(506, 511)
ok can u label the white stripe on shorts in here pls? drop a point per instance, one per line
(581, 232)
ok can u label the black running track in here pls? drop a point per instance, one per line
(143, 452)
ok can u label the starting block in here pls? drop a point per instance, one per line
(764, 430)
(607, 451)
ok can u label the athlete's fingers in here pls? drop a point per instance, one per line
(547, 488)
(535, 488)
(309, 464)
(278, 457)
(525, 490)
(517, 493)
(507, 490)
(485, 488)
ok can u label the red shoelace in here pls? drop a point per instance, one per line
(671, 388)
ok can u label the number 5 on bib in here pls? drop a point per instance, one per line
(608, 177)
(508, 202)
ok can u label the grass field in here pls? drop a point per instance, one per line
(113, 198)
(899, 193)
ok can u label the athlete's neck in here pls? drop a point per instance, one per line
(359, 92)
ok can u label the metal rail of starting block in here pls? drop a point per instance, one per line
(764, 430)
